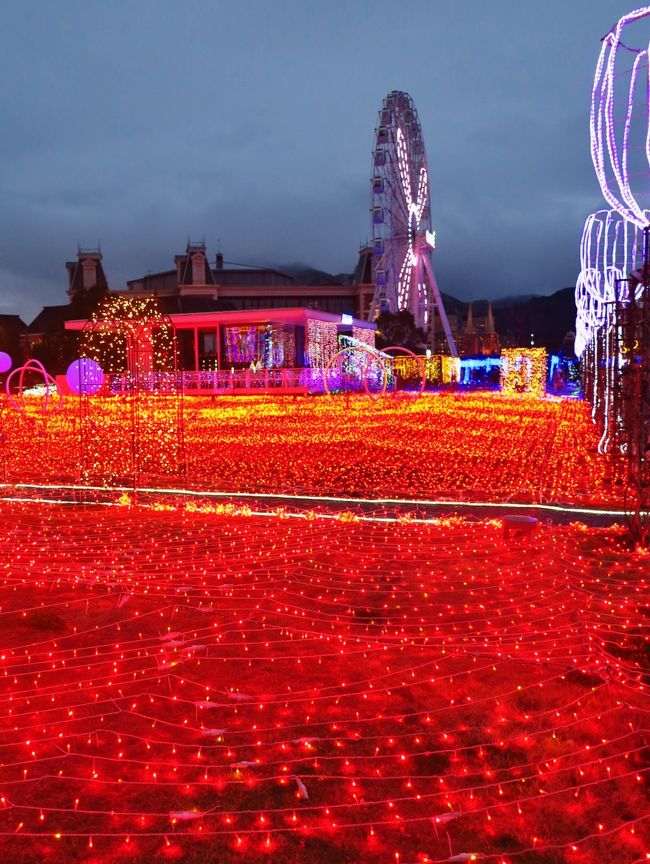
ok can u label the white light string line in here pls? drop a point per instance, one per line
(330, 499)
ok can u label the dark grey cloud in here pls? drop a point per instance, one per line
(138, 123)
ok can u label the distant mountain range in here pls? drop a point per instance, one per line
(548, 317)
(514, 298)
(311, 276)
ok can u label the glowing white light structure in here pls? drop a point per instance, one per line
(615, 337)
(610, 249)
(401, 218)
(620, 133)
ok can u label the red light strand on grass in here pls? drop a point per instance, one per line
(266, 681)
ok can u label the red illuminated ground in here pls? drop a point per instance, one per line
(208, 687)
(477, 446)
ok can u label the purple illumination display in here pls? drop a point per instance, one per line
(84, 376)
(620, 134)
(5, 362)
(416, 206)
(611, 247)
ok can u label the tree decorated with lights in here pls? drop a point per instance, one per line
(134, 343)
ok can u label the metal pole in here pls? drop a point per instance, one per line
(437, 299)
(637, 325)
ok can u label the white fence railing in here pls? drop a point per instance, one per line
(222, 381)
(247, 379)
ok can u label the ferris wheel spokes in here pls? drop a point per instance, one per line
(401, 220)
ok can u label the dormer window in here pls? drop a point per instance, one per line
(198, 269)
(89, 272)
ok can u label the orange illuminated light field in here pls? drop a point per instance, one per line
(474, 446)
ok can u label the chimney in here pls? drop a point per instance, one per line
(219, 261)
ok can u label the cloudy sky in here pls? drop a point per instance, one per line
(136, 123)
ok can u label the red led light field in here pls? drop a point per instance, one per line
(183, 684)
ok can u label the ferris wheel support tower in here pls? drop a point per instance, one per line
(401, 219)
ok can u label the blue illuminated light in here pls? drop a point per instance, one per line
(469, 364)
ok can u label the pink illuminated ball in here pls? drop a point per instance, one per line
(84, 376)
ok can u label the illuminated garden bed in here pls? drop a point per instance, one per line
(214, 686)
(480, 446)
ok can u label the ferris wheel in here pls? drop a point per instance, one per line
(401, 218)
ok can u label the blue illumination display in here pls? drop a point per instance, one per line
(472, 364)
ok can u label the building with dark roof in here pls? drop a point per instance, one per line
(86, 274)
(478, 337)
(213, 309)
(46, 338)
(232, 288)
(12, 332)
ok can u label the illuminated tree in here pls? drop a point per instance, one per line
(399, 329)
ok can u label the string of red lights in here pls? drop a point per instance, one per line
(307, 689)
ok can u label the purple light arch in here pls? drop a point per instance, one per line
(611, 247)
(622, 82)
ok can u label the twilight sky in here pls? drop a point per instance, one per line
(139, 122)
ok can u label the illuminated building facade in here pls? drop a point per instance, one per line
(479, 337)
(225, 317)
(237, 340)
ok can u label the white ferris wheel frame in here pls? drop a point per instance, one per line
(401, 221)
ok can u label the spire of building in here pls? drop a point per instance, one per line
(489, 324)
(86, 273)
(469, 327)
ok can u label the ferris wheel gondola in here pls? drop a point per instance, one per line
(401, 218)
